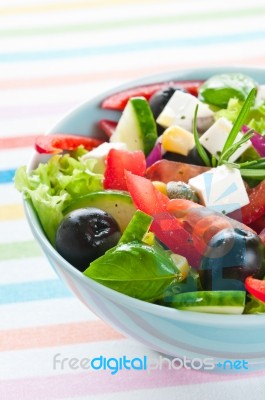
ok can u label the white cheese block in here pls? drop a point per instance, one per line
(215, 137)
(100, 153)
(180, 109)
(221, 189)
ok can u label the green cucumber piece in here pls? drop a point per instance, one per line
(216, 302)
(136, 127)
(117, 203)
(137, 228)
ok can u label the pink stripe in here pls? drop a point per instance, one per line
(7, 112)
(100, 382)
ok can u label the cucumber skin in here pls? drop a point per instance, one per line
(215, 300)
(142, 109)
(137, 228)
(109, 201)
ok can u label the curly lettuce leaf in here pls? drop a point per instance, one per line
(231, 111)
(254, 120)
(52, 186)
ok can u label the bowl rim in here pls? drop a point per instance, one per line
(242, 320)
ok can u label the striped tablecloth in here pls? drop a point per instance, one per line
(54, 55)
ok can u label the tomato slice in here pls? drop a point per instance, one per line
(53, 144)
(168, 229)
(256, 207)
(117, 162)
(119, 100)
(107, 126)
(255, 287)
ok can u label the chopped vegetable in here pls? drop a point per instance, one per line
(107, 126)
(119, 100)
(155, 155)
(137, 228)
(218, 302)
(256, 207)
(256, 287)
(257, 140)
(53, 144)
(117, 162)
(136, 127)
(117, 203)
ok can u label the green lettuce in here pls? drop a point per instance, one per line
(254, 120)
(52, 186)
(254, 306)
(231, 111)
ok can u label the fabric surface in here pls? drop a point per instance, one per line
(53, 56)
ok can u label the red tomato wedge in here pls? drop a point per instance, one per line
(53, 144)
(117, 162)
(256, 207)
(255, 287)
(119, 100)
(165, 226)
(107, 126)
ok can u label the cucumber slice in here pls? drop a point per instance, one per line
(216, 302)
(117, 203)
(136, 127)
(137, 228)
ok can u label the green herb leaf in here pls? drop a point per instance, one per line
(239, 121)
(232, 149)
(253, 173)
(199, 147)
(135, 269)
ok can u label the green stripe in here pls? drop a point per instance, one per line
(19, 250)
(90, 26)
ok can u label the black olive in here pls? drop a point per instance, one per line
(193, 157)
(232, 255)
(158, 101)
(86, 234)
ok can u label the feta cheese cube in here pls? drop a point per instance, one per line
(215, 137)
(180, 109)
(100, 153)
(221, 189)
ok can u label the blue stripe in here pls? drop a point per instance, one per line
(131, 47)
(7, 175)
(30, 291)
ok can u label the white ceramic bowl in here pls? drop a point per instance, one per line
(173, 332)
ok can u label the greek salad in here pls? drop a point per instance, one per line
(170, 208)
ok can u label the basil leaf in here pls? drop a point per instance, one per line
(219, 89)
(135, 269)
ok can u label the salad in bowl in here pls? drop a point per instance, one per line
(148, 201)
